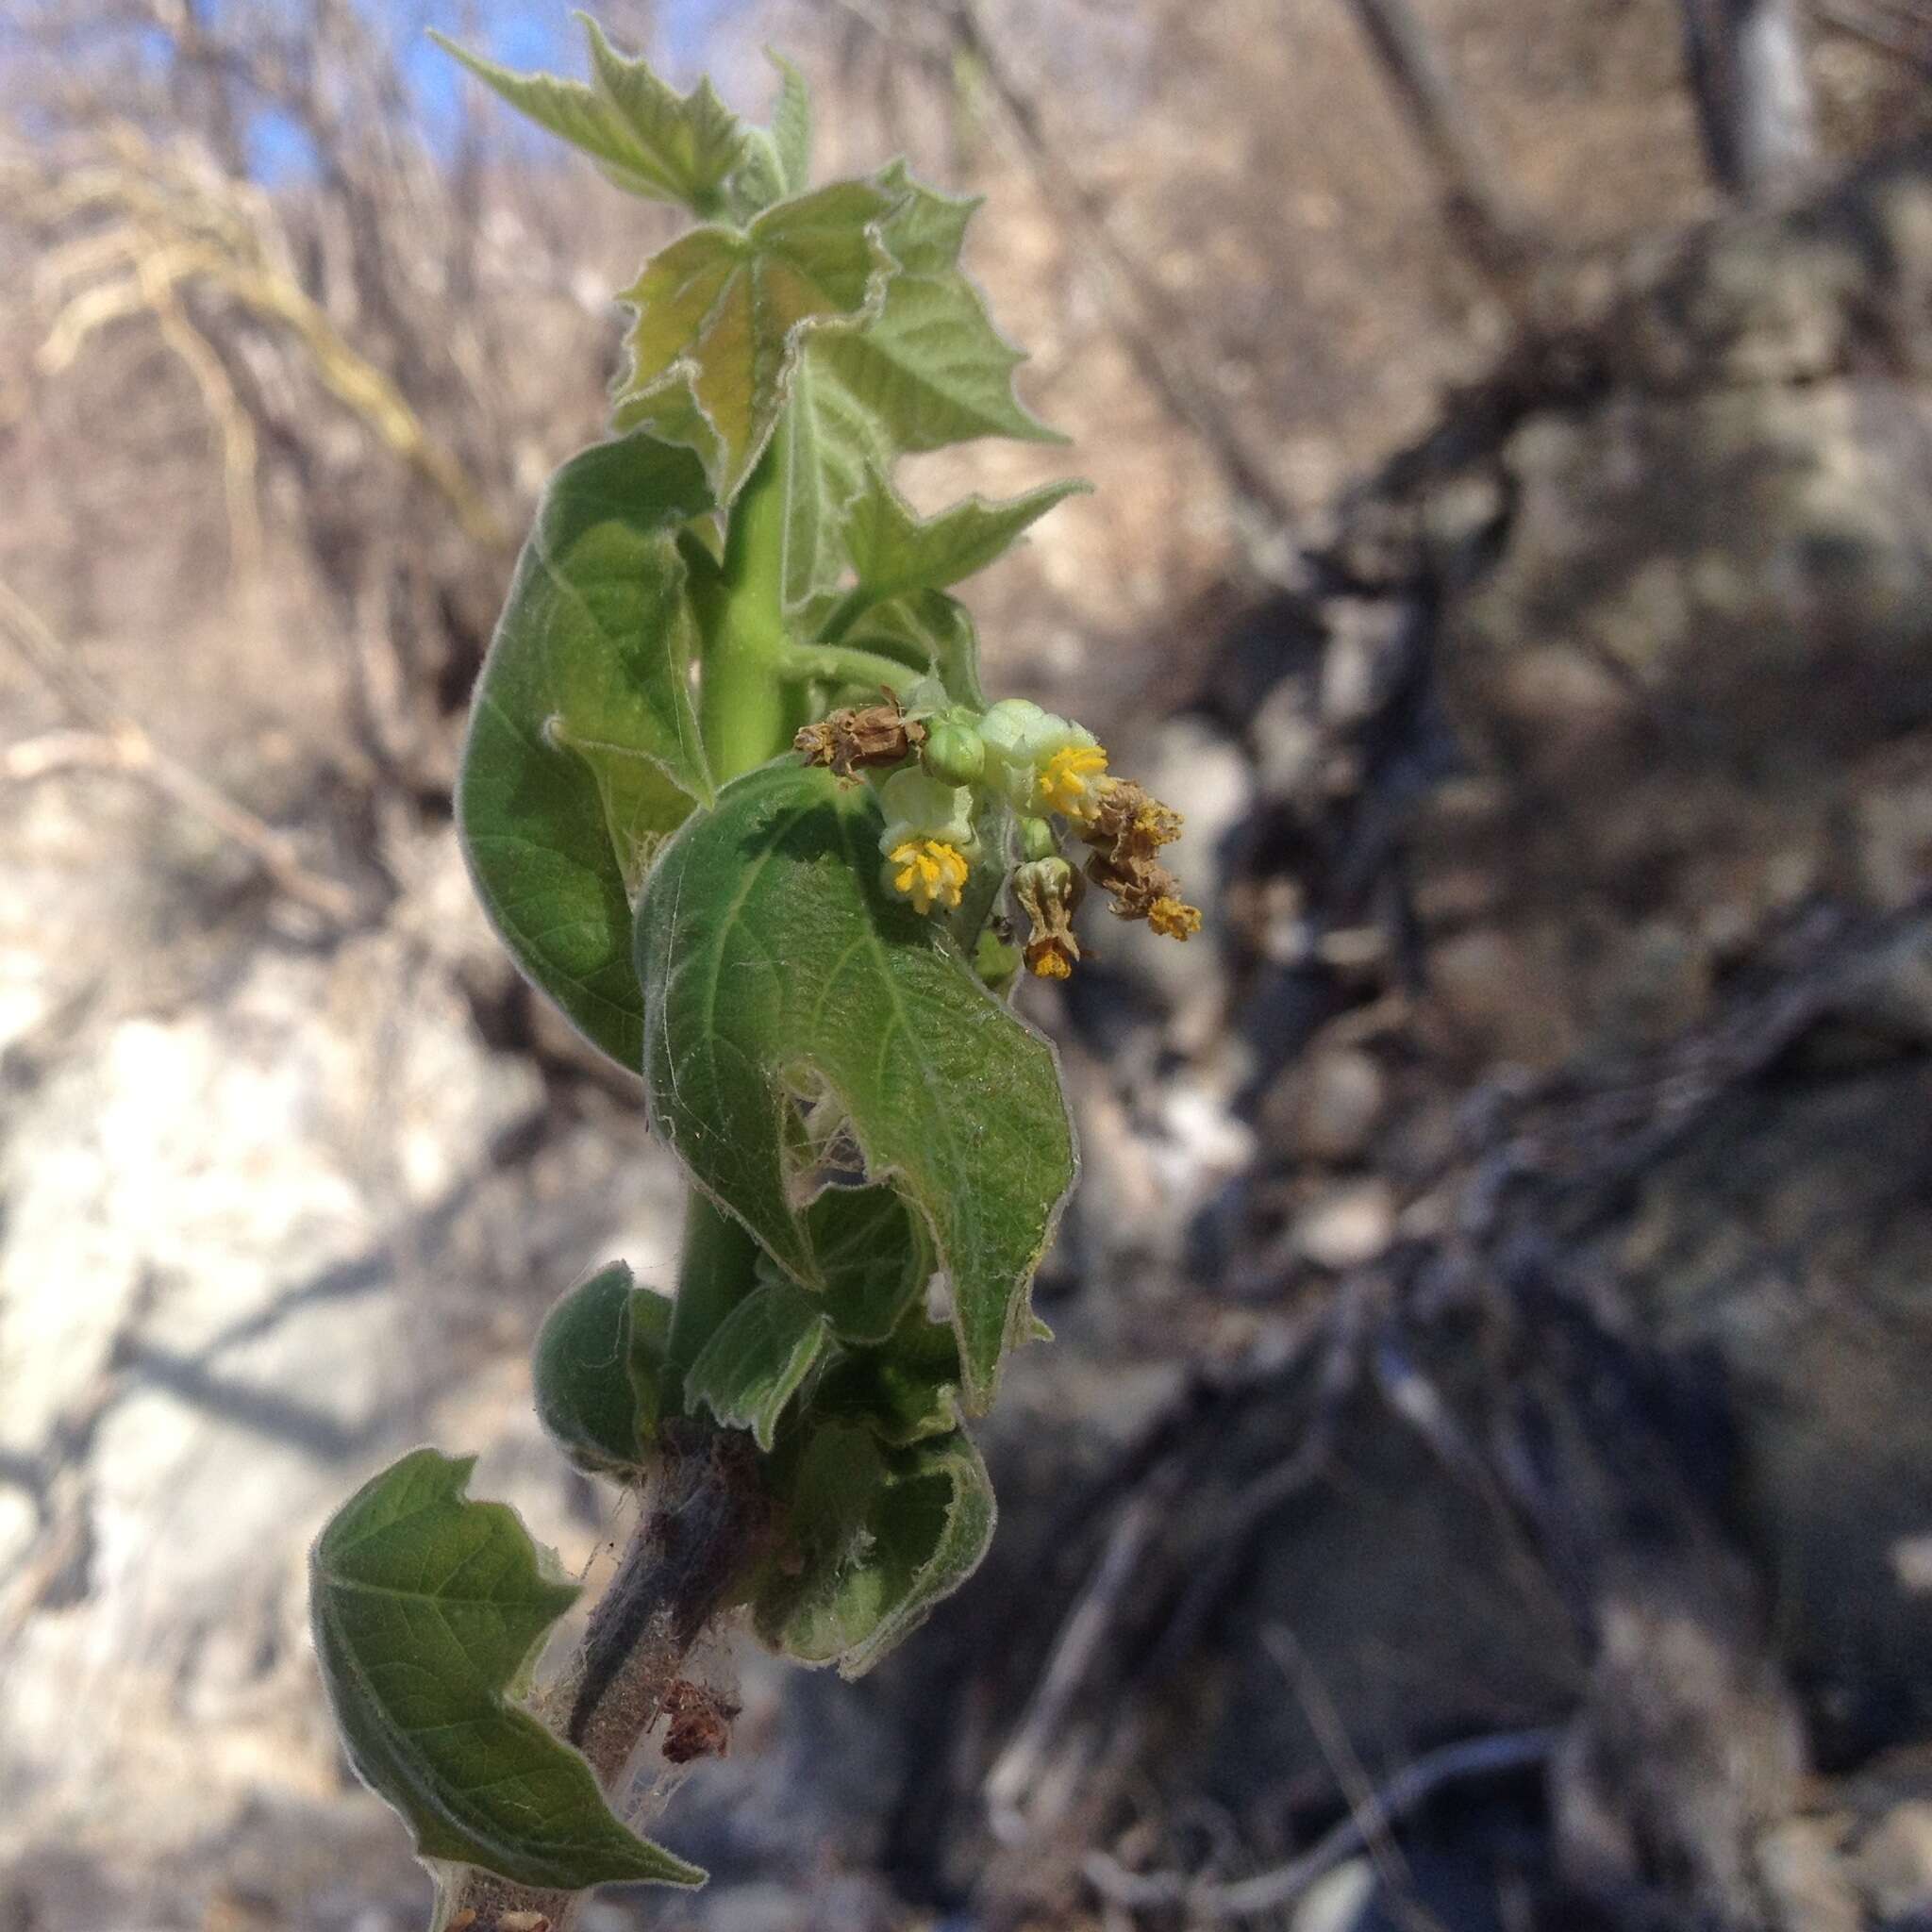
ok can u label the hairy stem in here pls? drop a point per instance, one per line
(703, 1523)
(848, 664)
(705, 1518)
(743, 707)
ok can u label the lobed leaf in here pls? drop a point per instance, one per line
(583, 751)
(778, 158)
(598, 1372)
(928, 370)
(882, 1536)
(644, 136)
(896, 552)
(722, 316)
(428, 1609)
(776, 965)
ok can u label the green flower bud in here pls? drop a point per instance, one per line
(954, 752)
(1038, 840)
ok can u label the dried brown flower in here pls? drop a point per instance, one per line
(1047, 890)
(861, 737)
(700, 1723)
(1126, 831)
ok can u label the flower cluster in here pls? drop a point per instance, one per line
(935, 765)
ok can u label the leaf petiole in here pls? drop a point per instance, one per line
(846, 664)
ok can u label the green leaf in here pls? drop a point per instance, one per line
(903, 1391)
(933, 630)
(427, 1607)
(778, 158)
(757, 1357)
(895, 551)
(776, 965)
(873, 1258)
(722, 316)
(598, 1372)
(646, 138)
(792, 125)
(929, 370)
(584, 752)
(884, 1535)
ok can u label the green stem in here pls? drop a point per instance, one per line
(846, 664)
(715, 1273)
(744, 709)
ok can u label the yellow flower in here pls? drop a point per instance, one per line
(1070, 782)
(1171, 920)
(928, 871)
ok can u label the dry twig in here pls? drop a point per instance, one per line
(1477, 210)
(1753, 92)
(113, 741)
(1134, 306)
(1280, 1886)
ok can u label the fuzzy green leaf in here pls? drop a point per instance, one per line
(778, 158)
(929, 370)
(895, 551)
(722, 315)
(904, 1390)
(428, 1609)
(776, 965)
(598, 1372)
(874, 1259)
(757, 1357)
(645, 137)
(791, 126)
(883, 1535)
(584, 751)
(933, 631)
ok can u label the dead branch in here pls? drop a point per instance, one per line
(1477, 210)
(1897, 33)
(1746, 61)
(120, 743)
(1275, 1891)
(180, 225)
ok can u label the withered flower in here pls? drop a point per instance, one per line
(861, 737)
(1047, 890)
(1126, 830)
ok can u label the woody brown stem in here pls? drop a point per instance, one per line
(704, 1521)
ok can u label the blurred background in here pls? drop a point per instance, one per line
(1484, 1477)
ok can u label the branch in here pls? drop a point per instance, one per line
(119, 742)
(1275, 1890)
(1473, 202)
(1754, 97)
(182, 225)
(703, 1522)
(1902, 38)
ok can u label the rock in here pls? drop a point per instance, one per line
(1892, 1865)
(1347, 1227)
(1328, 1109)
(254, 1245)
(1499, 995)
